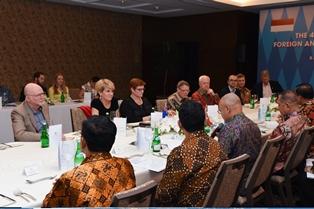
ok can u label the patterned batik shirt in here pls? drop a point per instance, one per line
(307, 109)
(190, 171)
(239, 136)
(93, 183)
(291, 128)
(245, 95)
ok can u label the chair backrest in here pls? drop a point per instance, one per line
(264, 164)
(140, 196)
(74, 93)
(299, 149)
(77, 117)
(160, 104)
(224, 188)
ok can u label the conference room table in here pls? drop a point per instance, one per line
(25, 156)
(59, 114)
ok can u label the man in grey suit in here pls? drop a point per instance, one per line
(29, 117)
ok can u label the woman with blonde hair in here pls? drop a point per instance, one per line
(106, 104)
(58, 89)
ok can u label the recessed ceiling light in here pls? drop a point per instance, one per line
(246, 3)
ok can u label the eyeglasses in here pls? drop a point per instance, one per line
(140, 89)
(37, 95)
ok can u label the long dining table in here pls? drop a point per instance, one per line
(17, 158)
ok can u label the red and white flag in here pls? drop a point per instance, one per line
(281, 25)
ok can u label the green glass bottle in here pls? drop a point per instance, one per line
(44, 137)
(252, 103)
(62, 97)
(268, 114)
(207, 130)
(79, 156)
(272, 99)
(156, 141)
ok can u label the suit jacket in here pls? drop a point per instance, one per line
(23, 122)
(274, 85)
(226, 90)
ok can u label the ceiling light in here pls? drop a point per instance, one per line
(246, 3)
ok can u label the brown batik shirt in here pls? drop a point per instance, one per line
(190, 171)
(93, 183)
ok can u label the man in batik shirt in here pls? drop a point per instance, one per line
(205, 95)
(305, 95)
(292, 125)
(192, 166)
(99, 177)
(239, 135)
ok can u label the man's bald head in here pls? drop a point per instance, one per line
(34, 95)
(229, 106)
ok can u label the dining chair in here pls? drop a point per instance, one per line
(284, 182)
(161, 104)
(140, 196)
(77, 118)
(257, 184)
(224, 188)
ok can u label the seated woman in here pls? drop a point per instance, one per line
(56, 91)
(106, 104)
(136, 108)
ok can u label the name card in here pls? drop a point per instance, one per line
(66, 152)
(55, 135)
(155, 119)
(143, 138)
(87, 97)
(212, 112)
(121, 126)
(32, 169)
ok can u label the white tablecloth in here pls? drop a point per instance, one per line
(14, 160)
(59, 114)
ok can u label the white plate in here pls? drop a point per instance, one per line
(133, 124)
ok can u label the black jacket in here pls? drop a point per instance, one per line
(274, 85)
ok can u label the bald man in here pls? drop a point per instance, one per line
(292, 125)
(266, 87)
(239, 135)
(205, 95)
(29, 117)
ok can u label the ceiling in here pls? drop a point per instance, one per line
(173, 8)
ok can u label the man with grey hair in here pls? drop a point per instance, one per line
(239, 135)
(29, 117)
(205, 95)
(266, 87)
(290, 127)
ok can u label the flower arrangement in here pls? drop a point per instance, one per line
(169, 124)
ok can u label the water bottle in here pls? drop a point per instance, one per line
(44, 138)
(62, 97)
(252, 103)
(79, 156)
(268, 114)
(156, 141)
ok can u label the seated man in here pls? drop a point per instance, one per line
(38, 78)
(244, 92)
(205, 95)
(89, 87)
(192, 166)
(239, 135)
(99, 177)
(29, 117)
(176, 99)
(292, 125)
(266, 87)
(6, 95)
(232, 87)
(305, 94)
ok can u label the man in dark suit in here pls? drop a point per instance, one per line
(266, 87)
(231, 88)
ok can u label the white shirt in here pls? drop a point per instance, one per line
(267, 90)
